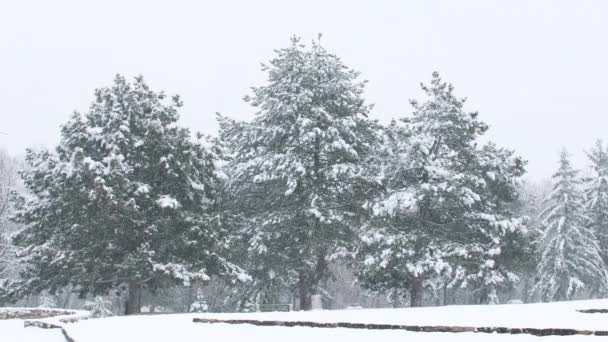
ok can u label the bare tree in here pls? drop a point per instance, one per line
(8, 183)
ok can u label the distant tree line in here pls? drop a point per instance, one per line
(311, 196)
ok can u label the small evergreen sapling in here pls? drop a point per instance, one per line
(200, 304)
(99, 307)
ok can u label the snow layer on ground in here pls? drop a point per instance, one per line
(549, 315)
(13, 331)
(180, 328)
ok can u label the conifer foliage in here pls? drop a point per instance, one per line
(422, 208)
(571, 260)
(596, 196)
(444, 214)
(126, 200)
(294, 165)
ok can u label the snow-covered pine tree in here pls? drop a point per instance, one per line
(294, 166)
(239, 213)
(571, 258)
(522, 253)
(446, 206)
(126, 200)
(596, 196)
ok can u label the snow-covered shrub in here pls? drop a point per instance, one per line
(248, 307)
(99, 307)
(47, 301)
(200, 305)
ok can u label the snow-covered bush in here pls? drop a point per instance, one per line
(99, 307)
(200, 305)
(47, 301)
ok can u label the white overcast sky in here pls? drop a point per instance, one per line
(535, 70)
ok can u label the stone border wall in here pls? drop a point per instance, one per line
(54, 321)
(46, 325)
(32, 313)
(415, 328)
(593, 311)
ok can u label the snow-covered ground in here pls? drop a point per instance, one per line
(177, 328)
(13, 331)
(549, 315)
(180, 328)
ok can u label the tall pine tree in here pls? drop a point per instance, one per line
(571, 258)
(445, 215)
(126, 200)
(295, 165)
(596, 196)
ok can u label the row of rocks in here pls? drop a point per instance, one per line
(593, 311)
(415, 328)
(47, 325)
(31, 313)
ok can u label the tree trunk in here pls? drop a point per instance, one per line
(452, 296)
(304, 293)
(395, 299)
(416, 293)
(133, 305)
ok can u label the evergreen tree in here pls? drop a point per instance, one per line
(445, 213)
(527, 252)
(597, 196)
(240, 206)
(294, 166)
(571, 258)
(126, 200)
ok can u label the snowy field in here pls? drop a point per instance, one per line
(13, 331)
(549, 315)
(179, 327)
